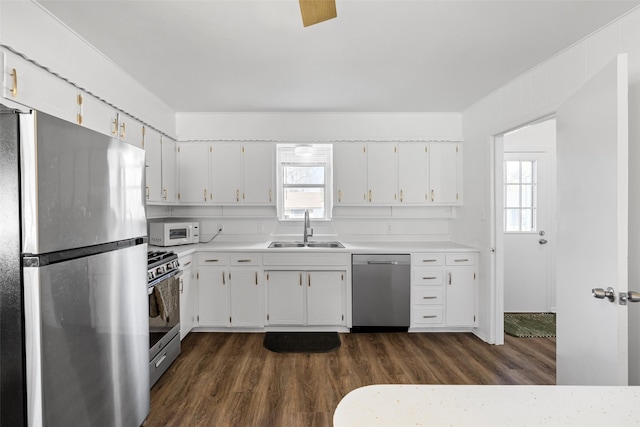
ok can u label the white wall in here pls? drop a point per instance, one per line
(531, 96)
(31, 31)
(348, 223)
(320, 126)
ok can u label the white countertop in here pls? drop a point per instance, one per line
(349, 247)
(487, 405)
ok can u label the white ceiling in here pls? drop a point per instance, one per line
(376, 56)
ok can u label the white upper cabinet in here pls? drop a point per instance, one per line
(381, 173)
(193, 172)
(169, 175)
(153, 163)
(27, 84)
(130, 130)
(226, 173)
(445, 173)
(258, 173)
(350, 173)
(236, 173)
(413, 173)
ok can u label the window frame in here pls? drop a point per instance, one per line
(533, 208)
(320, 149)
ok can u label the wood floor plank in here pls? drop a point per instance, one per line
(230, 379)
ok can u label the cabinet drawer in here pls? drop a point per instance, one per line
(427, 296)
(213, 259)
(460, 259)
(426, 259)
(186, 262)
(245, 259)
(423, 276)
(427, 315)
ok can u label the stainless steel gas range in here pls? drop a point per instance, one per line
(163, 272)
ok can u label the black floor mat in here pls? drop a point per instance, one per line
(301, 342)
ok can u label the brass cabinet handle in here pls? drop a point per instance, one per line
(339, 195)
(147, 192)
(369, 195)
(114, 131)
(79, 119)
(164, 193)
(205, 194)
(433, 195)
(14, 88)
(270, 192)
(237, 195)
(401, 195)
(123, 130)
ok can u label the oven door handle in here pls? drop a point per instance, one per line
(176, 275)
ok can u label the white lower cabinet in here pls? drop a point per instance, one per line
(188, 296)
(443, 290)
(230, 291)
(311, 298)
(325, 297)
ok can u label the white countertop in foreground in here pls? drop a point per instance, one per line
(484, 405)
(349, 247)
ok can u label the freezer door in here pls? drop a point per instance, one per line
(87, 337)
(80, 188)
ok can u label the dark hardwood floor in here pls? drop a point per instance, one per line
(229, 379)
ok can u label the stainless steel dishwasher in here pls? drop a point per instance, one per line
(380, 290)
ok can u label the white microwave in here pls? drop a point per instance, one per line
(174, 233)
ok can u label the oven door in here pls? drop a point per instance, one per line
(164, 312)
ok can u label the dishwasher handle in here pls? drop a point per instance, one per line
(383, 262)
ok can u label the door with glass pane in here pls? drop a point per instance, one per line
(526, 233)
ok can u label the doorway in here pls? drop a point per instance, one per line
(525, 223)
(528, 213)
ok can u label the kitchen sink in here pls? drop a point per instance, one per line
(334, 245)
(287, 245)
(325, 245)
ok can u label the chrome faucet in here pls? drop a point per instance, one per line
(308, 231)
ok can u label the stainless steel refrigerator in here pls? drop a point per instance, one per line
(74, 330)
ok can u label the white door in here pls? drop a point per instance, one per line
(526, 233)
(258, 171)
(443, 173)
(592, 163)
(381, 173)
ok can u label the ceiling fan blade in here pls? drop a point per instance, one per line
(314, 11)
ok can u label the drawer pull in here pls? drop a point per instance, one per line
(429, 297)
(188, 263)
(462, 260)
(429, 278)
(245, 260)
(159, 362)
(432, 316)
(429, 260)
(211, 260)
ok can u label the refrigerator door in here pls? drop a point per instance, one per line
(80, 188)
(87, 340)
